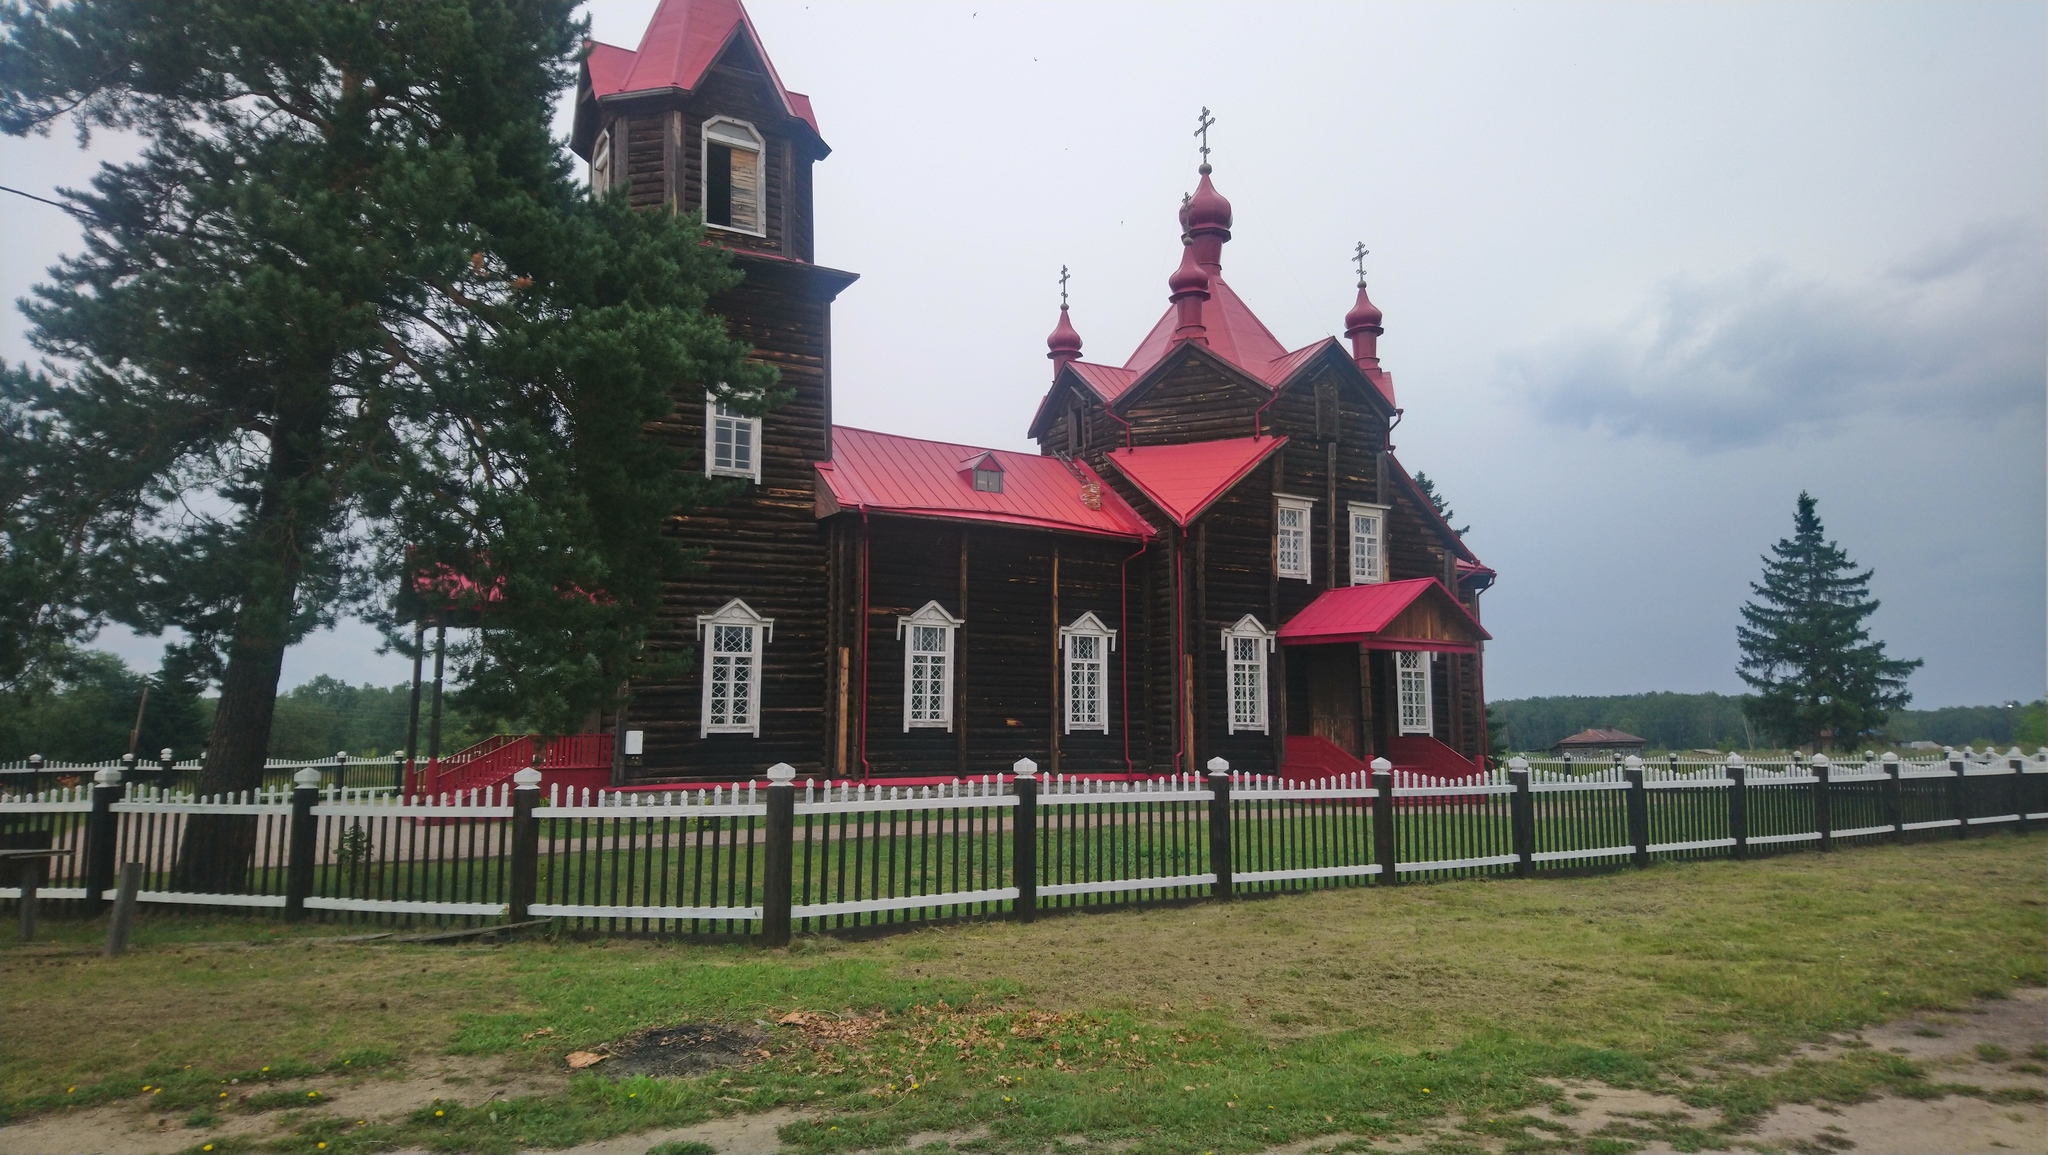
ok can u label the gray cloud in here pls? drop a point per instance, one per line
(1958, 329)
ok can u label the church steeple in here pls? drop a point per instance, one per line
(1065, 342)
(1362, 326)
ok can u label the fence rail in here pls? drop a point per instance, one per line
(761, 860)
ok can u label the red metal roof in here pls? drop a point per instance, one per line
(1234, 333)
(884, 473)
(1361, 613)
(682, 41)
(1185, 479)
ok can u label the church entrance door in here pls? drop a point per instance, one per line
(1332, 676)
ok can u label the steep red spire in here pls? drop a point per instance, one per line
(1189, 287)
(1065, 342)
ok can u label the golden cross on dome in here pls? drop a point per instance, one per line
(1203, 131)
(1063, 286)
(1359, 257)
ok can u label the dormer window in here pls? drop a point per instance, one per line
(601, 165)
(732, 176)
(985, 471)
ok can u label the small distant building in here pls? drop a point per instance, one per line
(1600, 742)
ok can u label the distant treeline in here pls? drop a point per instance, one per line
(87, 717)
(1669, 721)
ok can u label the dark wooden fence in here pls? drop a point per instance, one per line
(764, 860)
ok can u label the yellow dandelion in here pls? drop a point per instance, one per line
(437, 1114)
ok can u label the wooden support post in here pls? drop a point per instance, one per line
(526, 845)
(1219, 827)
(101, 826)
(845, 694)
(434, 722)
(1383, 846)
(777, 873)
(1055, 722)
(1958, 793)
(302, 840)
(1894, 813)
(35, 775)
(412, 714)
(123, 919)
(1638, 813)
(1024, 845)
(1823, 814)
(1522, 817)
(1738, 805)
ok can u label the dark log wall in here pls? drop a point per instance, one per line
(765, 547)
(1007, 693)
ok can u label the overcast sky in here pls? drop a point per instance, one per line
(1648, 271)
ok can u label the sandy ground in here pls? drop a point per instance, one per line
(1954, 1047)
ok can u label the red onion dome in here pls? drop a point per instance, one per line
(1065, 342)
(1363, 315)
(1208, 209)
(1190, 277)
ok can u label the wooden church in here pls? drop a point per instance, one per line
(1213, 551)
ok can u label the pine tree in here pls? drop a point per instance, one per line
(347, 317)
(1436, 500)
(1819, 678)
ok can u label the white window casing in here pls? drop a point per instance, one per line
(601, 165)
(732, 642)
(1292, 540)
(746, 181)
(1245, 648)
(1085, 647)
(929, 656)
(732, 442)
(1368, 543)
(1412, 674)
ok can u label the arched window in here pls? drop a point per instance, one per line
(1245, 646)
(1085, 647)
(601, 164)
(732, 176)
(732, 639)
(928, 659)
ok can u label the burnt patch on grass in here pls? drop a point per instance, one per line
(683, 1050)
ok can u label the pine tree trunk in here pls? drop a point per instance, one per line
(218, 850)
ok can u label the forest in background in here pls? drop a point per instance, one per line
(86, 718)
(1668, 721)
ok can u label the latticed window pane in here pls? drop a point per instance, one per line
(732, 439)
(1414, 689)
(1365, 548)
(1247, 677)
(1293, 541)
(1084, 680)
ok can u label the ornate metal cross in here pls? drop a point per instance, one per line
(1203, 131)
(1063, 286)
(1359, 257)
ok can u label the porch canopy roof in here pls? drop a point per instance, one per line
(1418, 614)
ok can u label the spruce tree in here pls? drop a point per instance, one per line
(1819, 678)
(346, 319)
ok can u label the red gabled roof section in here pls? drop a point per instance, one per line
(884, 473)
(1234, 332)
(1363, 613)
(1183, 480)
(681, 43)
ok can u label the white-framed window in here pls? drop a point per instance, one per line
(732, 176)
(1291, 536)
(1411, 669)
(732, 442)
(601, 165)
(732, 639)
(1368, 543)
(1245, 646)
(928, 659)
(1085, 647)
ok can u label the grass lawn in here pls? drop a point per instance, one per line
(1351, 1014)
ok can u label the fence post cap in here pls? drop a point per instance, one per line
(307, 778)
(1024, 768)
(2014, 753)
(1633, 762)
(164, 753)
(107, 776)
(781, 773)
(341, 755)
(127, 759)
(1735, 761)
(35, 759)
(1518, 763)
(1891, 758)
(1381, 766)
(1219, 766)
(1821, 760)
(527, 779)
